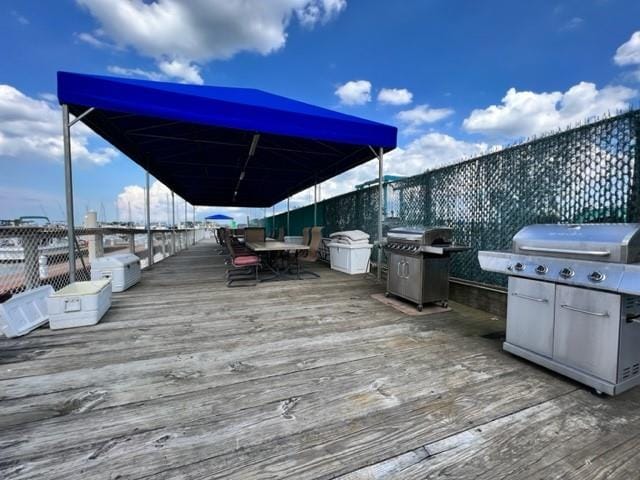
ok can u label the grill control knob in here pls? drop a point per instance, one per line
(518, 267)
(567, 273)
(541, 269)
(596, 276)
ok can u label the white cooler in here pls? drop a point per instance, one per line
(123, 270)
(351, 259)
(79, 304)
(25, 311)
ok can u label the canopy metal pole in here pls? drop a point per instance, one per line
(147, 204)
(315, 204)
(68, 188)
(273, 220)
(288, 214)
(173, 223)
(380, 211)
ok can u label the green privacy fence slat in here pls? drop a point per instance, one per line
(584, 175)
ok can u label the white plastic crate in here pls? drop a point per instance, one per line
(25, 311)
(351, 259)
(123, 270)
(79, 304)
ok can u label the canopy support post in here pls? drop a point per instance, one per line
(68, 189)
(288, 214)
(380, 211)
(315, 204)
(147, 204)
(186, 232)
(273, 220)
(173, 223)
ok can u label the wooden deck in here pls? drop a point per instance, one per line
(188, 379)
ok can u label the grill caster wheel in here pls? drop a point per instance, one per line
(445, 304)
(419, 307)
(387, 294)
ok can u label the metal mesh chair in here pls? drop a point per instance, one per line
(312, 253)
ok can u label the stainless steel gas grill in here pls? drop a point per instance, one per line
(418, 261)
(574, 301)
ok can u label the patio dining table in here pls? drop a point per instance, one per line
(273, 246)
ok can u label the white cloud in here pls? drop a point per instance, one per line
(189, 73)
(395, 96)
(572, 24)
(528, 113)
(132, 199)
(433, 150)
(428, 151)
(32, 128)
(49, 97)
(629, 52)
(354, 92)
(22, 20)
(181, 36)
(136, 72)
(93, 39)
(312, 13)
(422, 114)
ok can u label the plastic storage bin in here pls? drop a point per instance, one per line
(351, 259)
(25, 311)
(123, 270)
(79, 304)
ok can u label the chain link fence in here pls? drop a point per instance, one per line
(588, 174)
(34, 256)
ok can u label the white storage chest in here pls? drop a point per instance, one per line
(25, 311)
(79, 304)
(351, 259)
(123, 270)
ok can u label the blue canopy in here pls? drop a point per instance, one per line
(219, 145)
(218, 216)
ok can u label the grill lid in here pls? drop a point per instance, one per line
(605, 242)
(424, 235)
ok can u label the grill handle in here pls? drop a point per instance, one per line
(527, 297)
(587, 312)
(567, 251)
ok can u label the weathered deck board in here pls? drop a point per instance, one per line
(186, 378)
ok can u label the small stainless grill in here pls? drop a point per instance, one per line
(574, 300)
(418, 260)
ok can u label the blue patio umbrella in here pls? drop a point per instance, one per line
(218, 216)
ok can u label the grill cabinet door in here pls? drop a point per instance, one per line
(395, 280)
(530, 315)
(413, 278)
(586, 332)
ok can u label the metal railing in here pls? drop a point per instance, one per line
(32, 256)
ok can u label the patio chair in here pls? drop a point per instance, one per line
(218, 234)
(305, 236)
(244, 265)
(312, 253)
(232, 243)
(254, 234)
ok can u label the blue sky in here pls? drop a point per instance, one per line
(459, 77)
